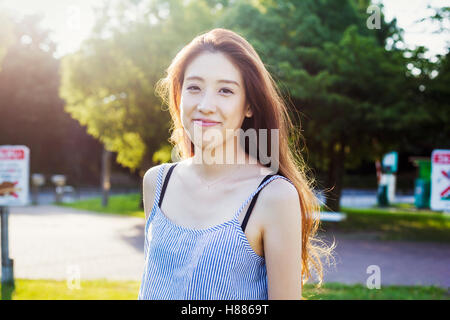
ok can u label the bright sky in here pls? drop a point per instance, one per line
(72, 20)
(407, 12)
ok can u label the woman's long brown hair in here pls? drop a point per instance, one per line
(269, 112)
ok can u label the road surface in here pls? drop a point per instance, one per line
(52, 242)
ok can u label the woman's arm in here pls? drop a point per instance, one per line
(282, 238)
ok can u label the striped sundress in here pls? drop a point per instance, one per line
(215, 263)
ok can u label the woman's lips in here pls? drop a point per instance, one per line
(204, 123)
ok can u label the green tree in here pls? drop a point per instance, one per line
(337, 74)
(108, 85)
(431, 90)
(425, 124)
(437, 95)
(430, 128)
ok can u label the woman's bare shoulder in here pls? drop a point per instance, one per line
(151, 174)
(280, 199)
(149, 187)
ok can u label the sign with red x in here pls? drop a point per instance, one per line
(440, 180)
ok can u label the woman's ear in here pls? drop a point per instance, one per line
(249, 112)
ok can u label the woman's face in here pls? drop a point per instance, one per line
(213, 90)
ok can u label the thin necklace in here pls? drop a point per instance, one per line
(208, 185)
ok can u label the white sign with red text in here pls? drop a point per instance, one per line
(440, 180)
(14, 175)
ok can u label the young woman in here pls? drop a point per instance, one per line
(206, 236)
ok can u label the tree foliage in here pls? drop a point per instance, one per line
(351, 92)
(109, 84)
(354, 92)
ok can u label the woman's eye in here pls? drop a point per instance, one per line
(196, 88)
(227, 90)
(193, 88)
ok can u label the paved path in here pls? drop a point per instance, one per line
(399, 262)
(55, 243)
(350, 197)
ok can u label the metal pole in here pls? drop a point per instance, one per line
(7, 263)
(106, 176)
(58, 194)
(34, 194)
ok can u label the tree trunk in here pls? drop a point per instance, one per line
(141, 198)
(335, 176)
(106, 176)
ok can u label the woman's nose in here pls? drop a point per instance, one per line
(207, 102)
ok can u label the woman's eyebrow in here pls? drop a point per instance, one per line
(220, 81)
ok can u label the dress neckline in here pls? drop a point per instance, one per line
(229, 222)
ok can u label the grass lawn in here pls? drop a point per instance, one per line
(339, 291)
(128, 290)
(398, 222)
(126, 204)
(26, 289)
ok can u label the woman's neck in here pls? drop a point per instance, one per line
(211, 164)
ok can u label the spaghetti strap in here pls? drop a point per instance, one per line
(267, 179)
(166, 181)
(252, 204)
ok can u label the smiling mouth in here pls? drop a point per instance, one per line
(205, 123)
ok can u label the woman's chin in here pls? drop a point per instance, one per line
(205, 146)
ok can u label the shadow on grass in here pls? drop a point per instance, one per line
(7, 291)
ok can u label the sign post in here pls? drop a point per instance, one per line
(7, 263)
(386, 178)
(14, 185)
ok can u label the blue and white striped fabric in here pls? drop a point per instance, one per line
(216, 263)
